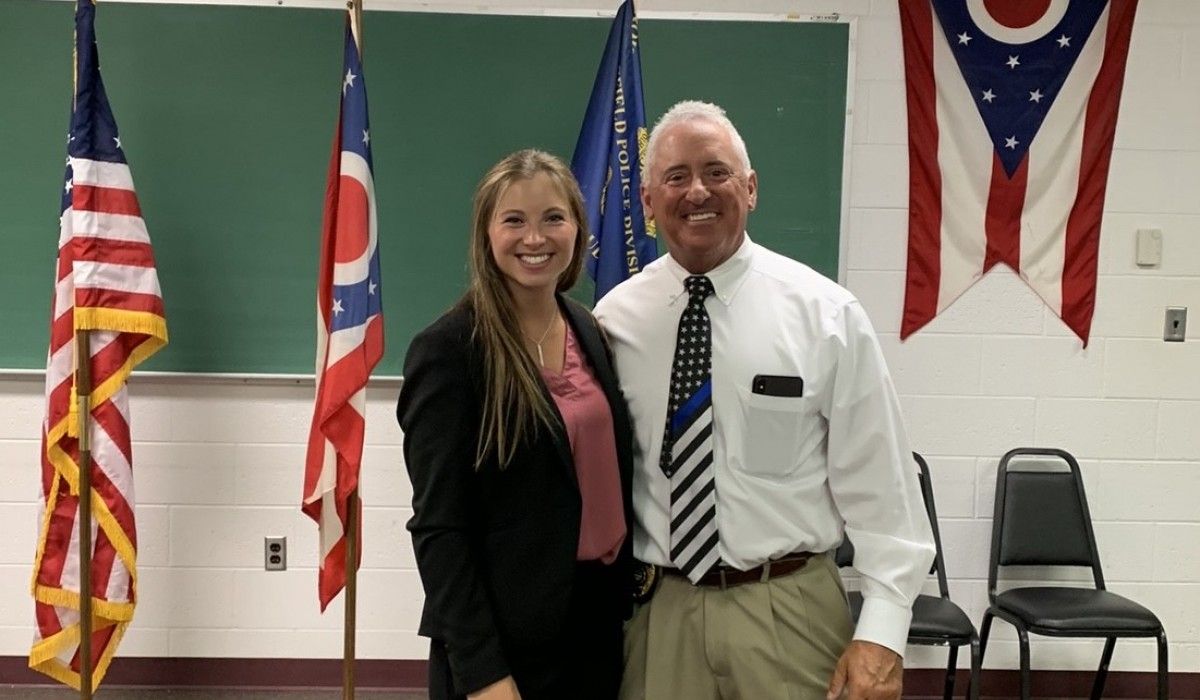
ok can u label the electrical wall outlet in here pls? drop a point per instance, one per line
(275, 553)
(1175, 326)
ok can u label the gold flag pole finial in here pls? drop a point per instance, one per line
(355, 8)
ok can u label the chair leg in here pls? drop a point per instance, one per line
(951, 669)
(976, 663)
(1026, 681)
(1102, 672)
(984, 631)
(1162, 665)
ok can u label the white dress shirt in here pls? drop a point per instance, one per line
(791, 472)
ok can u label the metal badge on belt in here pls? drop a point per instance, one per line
(645, 580)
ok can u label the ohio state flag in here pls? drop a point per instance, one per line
(1012, 107)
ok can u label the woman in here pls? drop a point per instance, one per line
(518, 445)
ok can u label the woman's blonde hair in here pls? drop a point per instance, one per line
(514, 405)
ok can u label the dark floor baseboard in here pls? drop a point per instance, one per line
(930, 682)
(184, 672)
(409, 674)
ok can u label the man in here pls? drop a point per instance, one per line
(766, 428)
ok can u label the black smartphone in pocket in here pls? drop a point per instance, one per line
(777, 385)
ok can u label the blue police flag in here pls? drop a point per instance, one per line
(608, 161)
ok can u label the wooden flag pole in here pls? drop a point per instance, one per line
(352, 502)
(83, 391)
(83, 394)
(352, 507)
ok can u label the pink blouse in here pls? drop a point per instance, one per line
(589, 424)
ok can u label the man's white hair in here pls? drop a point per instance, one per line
(695, 110)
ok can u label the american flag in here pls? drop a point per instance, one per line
(1012, 109)
(105, 283)
(349, 326)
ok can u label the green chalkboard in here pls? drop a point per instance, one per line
(227, 115)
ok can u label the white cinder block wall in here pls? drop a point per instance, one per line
(999, 370)
(219, 465)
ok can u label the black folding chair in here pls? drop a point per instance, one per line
(1041, 519)
(936, 620)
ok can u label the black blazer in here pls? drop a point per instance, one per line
(496, 548)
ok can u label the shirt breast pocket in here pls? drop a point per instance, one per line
(773, 432)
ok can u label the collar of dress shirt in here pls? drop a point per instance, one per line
(726, 278)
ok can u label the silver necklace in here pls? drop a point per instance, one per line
(538, 343)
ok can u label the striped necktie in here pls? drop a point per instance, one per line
(687, 452)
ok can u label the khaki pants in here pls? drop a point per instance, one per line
(777, 640)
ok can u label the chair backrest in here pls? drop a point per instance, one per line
(844, 555)
(939, 564)
(1041, 516)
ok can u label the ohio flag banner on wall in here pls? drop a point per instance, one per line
(105, 283)
(1012, 107)
(608, 161)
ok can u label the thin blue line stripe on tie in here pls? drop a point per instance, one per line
(702, 417)
(691, 406)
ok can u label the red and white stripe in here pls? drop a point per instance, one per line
(966, 215)
(344, 361)
(106, 283)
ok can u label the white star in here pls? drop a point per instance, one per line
(964, 38)
(1036, 96)
(348, 81)
(988, 95)
(117, 139)
(1064, 41)
(366, 138)
(337, 307)
(371, 287)
(68, 186)
(1010, 142)
(1013, 61)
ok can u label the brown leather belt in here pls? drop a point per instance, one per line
(721, 576)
